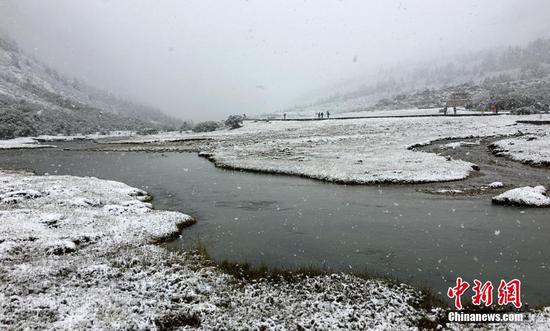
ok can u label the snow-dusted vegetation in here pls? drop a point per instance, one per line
(24, 142)
(514, 79)
(527, 149)
(356, 151)
(349, 151)
(79, 253)
(35, 100)
(441, 124)
(39, 142)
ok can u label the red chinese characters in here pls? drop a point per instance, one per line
(508, 293)
(482, 293)
(457, 292)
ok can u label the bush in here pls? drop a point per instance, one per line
(147, 131)
(207, 126)
(234, 122)
(186, 126)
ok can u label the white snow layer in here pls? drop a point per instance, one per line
(25, 142)
(33, 142)
(496, 185)
(79, 253)
(355, 151)
(524, 196)
(528, 149)
(349, 151)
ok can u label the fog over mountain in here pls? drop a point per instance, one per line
(36, 99)
(207, 59)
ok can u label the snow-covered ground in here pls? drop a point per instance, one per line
(94, 136)
(37, 142)
(406, 112)
(79, 253)
(337, 113)
(528, 149)
(25, 142)
(524, 196)
(350, 151)
(357, 151)
(169, 136)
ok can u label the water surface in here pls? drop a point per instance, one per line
(288, 221)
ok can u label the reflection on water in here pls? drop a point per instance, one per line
(290, 221)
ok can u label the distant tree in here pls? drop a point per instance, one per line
(148, 131)
(76, 84)
(186, 126)
(234, 121)
(16, 63)
(207, 126)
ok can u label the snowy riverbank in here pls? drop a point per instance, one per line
(358, 151)
(79, 252)
(25, 142)
(530, 149)
(38, 142)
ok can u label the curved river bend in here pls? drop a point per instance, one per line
(419, 238)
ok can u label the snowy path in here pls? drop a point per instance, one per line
(351, 116)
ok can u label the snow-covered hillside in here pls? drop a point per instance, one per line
(512, 78)
(35, 99)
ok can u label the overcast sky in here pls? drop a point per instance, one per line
(206, 59)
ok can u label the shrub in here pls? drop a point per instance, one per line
(234, 121)
(147, 131)
(187, 125)
(207, 126)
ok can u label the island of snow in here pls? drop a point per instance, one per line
(360, 151)
(524, 196)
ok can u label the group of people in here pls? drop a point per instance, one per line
(446, 109)
(321, 115)
(491, 107)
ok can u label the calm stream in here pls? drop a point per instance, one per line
(420, 238)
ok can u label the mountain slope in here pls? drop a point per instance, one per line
(35, 99)
(512, 78)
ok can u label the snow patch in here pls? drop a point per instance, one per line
(524, 196)
(531, 149)
(457, 144)
(25, 142)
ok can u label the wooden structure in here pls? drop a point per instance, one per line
(458, 99)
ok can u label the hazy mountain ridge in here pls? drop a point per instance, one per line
(513, 76)
(35, 99)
